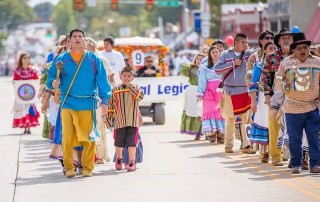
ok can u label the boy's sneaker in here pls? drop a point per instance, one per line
(118, 164)
(126, 166)
(131, 167)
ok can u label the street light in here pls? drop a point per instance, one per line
(260, 10)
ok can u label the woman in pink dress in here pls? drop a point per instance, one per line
(25, 115)
(209, 92)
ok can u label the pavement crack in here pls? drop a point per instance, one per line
(17, 171)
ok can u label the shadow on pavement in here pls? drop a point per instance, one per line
(48, 178)
(11, 135)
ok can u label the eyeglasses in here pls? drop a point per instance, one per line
(149, 61)
(268, 38)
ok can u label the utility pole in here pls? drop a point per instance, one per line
(185, 16)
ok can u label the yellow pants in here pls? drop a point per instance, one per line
(76, 127)
(227, 113)
(274, 128)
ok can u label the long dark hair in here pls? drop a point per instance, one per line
(20, 59)
(262, 35)
(210, 61)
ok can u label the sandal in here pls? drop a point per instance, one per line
(220, 138)
(198, 137)
(212, 138)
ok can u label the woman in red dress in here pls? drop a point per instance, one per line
(25, 115)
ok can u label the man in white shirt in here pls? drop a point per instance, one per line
(115, 58)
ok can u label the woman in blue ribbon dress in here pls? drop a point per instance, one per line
(259, 130)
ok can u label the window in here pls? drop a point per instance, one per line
(285, 24)
(274, 26)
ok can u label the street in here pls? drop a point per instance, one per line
(175, 168)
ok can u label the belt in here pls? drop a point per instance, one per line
(232, 86)
(80, 96)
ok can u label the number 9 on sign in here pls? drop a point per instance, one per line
(138, 58)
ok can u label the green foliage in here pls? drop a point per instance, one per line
(15, 12)
(3, 36)
(64, 17)
(43, 11)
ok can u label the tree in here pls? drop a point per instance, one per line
(3, 36)
(15, 12)
(215, 9)
(43, 11)
(64, 18)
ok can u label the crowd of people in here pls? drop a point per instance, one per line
(274, 88)
(80, 91)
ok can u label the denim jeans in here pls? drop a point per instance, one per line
(309, 121)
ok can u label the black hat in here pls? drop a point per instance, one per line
(299, 38)
(284, 31)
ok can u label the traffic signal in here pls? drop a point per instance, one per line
(114, 5)
(149, 5)
(49, 33)
(79, 5)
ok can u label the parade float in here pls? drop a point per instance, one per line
(156, 89)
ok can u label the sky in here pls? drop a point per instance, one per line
(32, 3)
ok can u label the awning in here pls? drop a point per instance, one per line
(313, 31)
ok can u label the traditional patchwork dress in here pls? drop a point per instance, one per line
(259, 136)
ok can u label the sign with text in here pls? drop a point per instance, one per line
(168, 3)
(137, 58)
(162, 88)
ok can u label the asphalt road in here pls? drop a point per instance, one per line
(175, 168)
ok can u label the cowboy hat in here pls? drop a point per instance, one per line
(299, 38)
(283, 32)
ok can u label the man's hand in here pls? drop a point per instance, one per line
(104, 109)
(45, 106)
(286, 86)
(55, 84)
(254, 107)
(237, 62)
(273, 113)
(150, 71)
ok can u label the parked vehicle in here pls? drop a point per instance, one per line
(134, 49)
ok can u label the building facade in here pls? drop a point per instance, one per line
(249, 19)
(290, 13)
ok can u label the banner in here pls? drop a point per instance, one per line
(162, 88)
(26, 91)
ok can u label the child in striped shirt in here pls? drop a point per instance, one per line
(124, 108)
